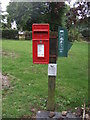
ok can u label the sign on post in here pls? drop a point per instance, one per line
(63, 44)
(40, 43)
(52, 69)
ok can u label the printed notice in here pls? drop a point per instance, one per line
(52, 69)
(40, 51)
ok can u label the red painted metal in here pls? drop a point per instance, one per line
(40, 36)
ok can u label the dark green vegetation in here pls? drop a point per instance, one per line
(29, 82)
(54, 13)
(10, 34)
(27, 13)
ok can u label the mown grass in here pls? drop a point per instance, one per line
(29, 82)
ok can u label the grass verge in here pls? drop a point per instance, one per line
(29, 82)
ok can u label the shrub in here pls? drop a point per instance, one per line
(10, 34)
(28, 35)
(86, 33)
(53, 33)
(74, 34)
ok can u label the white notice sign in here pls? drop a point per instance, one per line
(52, 69)
(40, 51)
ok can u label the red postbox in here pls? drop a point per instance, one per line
(40, 43)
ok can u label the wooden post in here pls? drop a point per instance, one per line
(51, 94)
(51, 89)
(52, 79)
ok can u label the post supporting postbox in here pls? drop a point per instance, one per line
(51, 93)
(52, 79)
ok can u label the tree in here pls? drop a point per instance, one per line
(26, 13)
(56, 12)
(19, 12)
(78, 14)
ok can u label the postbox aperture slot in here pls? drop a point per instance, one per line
(43, 35)
(40, 31)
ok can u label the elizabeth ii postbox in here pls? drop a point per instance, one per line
(40, 43)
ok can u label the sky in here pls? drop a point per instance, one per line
(4, 3)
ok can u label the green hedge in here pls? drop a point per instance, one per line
(74, 34)
(53, 33)
(28, 35)
(10, 34)
(86, 33)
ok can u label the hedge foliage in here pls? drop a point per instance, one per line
(10, 34)
(53, 33)
(86, 33)
(28, 35)
(74, 34)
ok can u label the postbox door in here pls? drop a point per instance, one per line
(40, 52)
